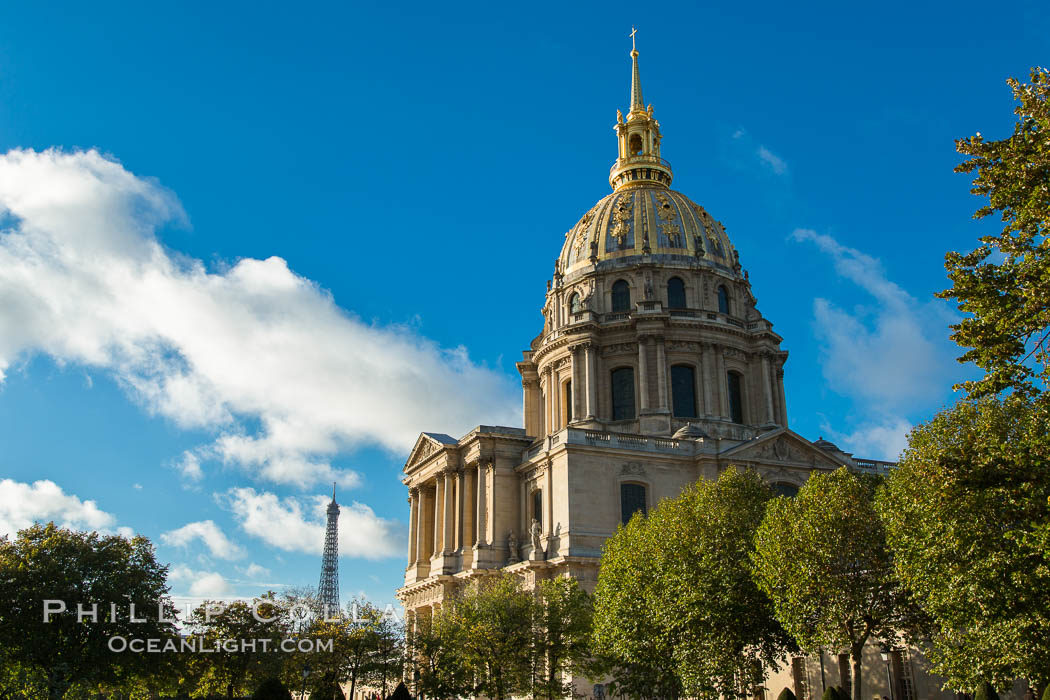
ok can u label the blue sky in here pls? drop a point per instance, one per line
(268, 236)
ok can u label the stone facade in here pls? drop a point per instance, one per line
(654, 369)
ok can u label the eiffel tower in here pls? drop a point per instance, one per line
(328, 588)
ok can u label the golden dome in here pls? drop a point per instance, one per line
(646, 223)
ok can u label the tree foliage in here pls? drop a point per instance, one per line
(497, 639)
(823, 559)
(271, 689)
(49, 562)
(966, 513)
(238, 670)
(561, 637)
(1004, 284)
(675, 595)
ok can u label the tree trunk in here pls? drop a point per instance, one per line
(855, 656)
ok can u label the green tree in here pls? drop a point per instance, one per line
(495, 620)
(387, 655)
(687, 591)
(823, 559)
(1004, 284)
(638, 654)
(966, 512)
(364, 645)
(78, 568)
(439, 667)
(562, 626)
(271, 689)
(237, 669)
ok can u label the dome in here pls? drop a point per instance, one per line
(826, 445)
(646, 219)
(689, 431)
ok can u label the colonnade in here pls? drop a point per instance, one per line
(447, 513)
(546, 409)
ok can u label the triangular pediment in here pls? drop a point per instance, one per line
(426, 445)
(783, 446)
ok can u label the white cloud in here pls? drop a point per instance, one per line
(298, 524)
(189, 465)
(207, 532)
(772, 161)
(892, 357)
(263, 357)
(199, 584)
(880, 438)
(43, 501)
(894, 353)
(255, 571)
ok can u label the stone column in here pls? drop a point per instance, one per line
(413, 523)
(780, 393)
(479, 514)
(548, 505)
(533, 405)
(767, 383)
(571, 412)
(526, 404)
(643, 372)
(707, 378)
(439, 482)
(592, 383)
(720, 371)
(468, 536)
(523, 509)
(548, 399)
(490, 503)
(448, 506)
(457, 515)
(661, 372)
(420, 531)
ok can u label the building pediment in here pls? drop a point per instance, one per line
(782, 446)
(426, 445)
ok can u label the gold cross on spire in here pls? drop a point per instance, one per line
(633, 32)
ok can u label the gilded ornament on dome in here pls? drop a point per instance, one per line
(581, 231)
(716, 246)
(622, 218)
(666, 213)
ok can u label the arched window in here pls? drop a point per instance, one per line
(675, 293)
(635, 145)
(537, 506)
(621, 296)
(623, 393)
(683, 391)
(568, 401)
(723, 301)
(736, 397)
(575, 305)
(783, 488)
(632, 500)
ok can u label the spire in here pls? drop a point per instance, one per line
(333, 492)
(637, 103)
(638, 160)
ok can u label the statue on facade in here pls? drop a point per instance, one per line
(649, 294)
(512, 547)
(537, 540)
